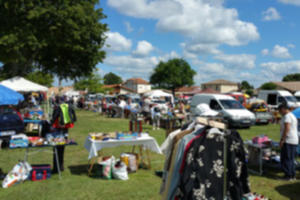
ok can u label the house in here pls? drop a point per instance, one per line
(117, 89)
(220, 85)
(291, 86)
(60, 90)
(138, 85)
(187, 91)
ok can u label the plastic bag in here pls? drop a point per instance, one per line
(19, 173)
(120, 171)
(107, 166)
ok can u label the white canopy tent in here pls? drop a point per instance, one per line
(157, 94)
(21, 84)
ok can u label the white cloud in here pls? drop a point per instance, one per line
(292, 46)
(292, 2)
(201, 21)
(128, 26)
(143, 48)
(131, 66)
(117, 42)
(265, 52)
(271, 14)
(238, 61)
(278, 51)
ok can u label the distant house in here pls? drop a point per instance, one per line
(138, 85)
(117, 89)
(60, 90)
(220, 85)
(291, 86)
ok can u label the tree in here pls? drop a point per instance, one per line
(112, 78)
(92, 82)
(41, 78)
(172, 74)
(63, 38)
(291, 77)
(268, 86)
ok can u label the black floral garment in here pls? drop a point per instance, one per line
(203, 175)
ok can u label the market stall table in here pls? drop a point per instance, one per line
(42, 148)
(95, 146)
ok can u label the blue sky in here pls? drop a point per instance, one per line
(253, 40)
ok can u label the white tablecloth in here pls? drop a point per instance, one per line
(93, 146)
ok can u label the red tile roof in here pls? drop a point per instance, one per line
(138, 81)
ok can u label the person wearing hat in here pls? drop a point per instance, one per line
(203, 110)
(288, 142)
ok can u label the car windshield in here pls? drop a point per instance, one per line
(159, 102)
(290, 98)
(231, 104)
(298, 98)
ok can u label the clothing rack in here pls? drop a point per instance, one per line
(211, 122)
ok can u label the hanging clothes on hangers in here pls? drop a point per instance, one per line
(176, 159)
(202, 168)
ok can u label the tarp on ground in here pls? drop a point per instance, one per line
(9, 97)
(296, 112)
(156, 94)
(21, 84)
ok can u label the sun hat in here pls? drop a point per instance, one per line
(204, 110)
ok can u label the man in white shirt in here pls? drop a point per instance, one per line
(288, 142)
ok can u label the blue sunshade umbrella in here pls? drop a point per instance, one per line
(296, 112)
(9, 97)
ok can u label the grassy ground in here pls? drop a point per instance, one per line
(142, 185)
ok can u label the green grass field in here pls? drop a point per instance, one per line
(143, 185)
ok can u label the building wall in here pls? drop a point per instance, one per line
(130, 85)
(141, 88)
(221, 88)
(228, 88)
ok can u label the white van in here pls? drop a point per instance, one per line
(297, 96)
(232, 111)
(277, 97)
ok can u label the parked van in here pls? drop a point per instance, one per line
(297, 96)
(232, 111)
(277, 97)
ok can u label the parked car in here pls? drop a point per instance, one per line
(240, 97)
(232, 111)
(261, 111)
(276, 97)
(11, 123)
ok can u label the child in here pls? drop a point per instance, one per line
(155, 113)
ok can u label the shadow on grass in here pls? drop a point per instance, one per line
(288, 190)
(79, 169)
(82, 170)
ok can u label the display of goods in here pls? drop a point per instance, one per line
(36, 141)
(18, 141)
(40, 172)
(131, 160)
(127, 136)
(19, 173)
(262, 139)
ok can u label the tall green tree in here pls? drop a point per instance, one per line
(41, 78)
(173, 74)
(291, 77)
(92, 83)
(62, 37)
(112, 78)
(246, 86)
(268, 86)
